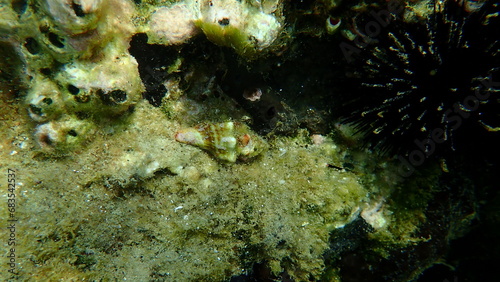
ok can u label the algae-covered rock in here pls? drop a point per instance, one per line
(64, 134)
(238, 25)
(109, 87)
(200, 217)
(173, 25)
(44, 100)
(76, 64)
(245, 27)
(105, 190)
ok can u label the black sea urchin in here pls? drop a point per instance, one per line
(418, 84)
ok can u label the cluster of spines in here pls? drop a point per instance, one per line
(405, 82)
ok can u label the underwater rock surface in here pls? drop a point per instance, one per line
(101, 100)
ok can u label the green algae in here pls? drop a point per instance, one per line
(178, 207)
(228, 36)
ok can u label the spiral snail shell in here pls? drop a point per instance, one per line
(228, 141)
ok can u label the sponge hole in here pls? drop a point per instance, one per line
(55, 40)
(32, 45)
(77, 8)
(19, 6)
